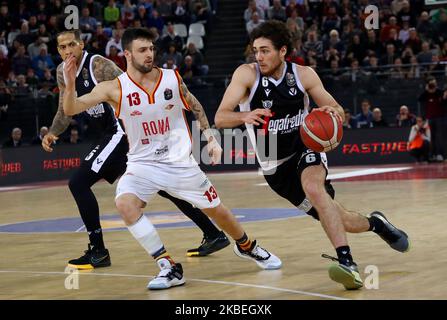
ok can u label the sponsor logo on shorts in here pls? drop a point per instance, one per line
(204, 183)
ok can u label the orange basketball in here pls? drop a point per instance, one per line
(321, 131)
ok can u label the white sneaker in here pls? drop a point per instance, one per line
(169, 276)
(439, 158)
(263, 258)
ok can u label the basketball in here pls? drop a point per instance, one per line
(321, 131)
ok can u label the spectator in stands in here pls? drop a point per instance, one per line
(171, 37)
(33, 25)
(21, 62)
(295, 17)
(73, 138)
(181, 12)
(34, 48)
(357, 48)
(37, 140)
(93, 6)
(378, 120)
(294, 30)
(394, 39)
(404, 118)
(413, 41)
(252, 8)
(87, 24)
(170, 64)
(5, 65)
(11, 81)
(364, 119)
(15, 140)
(197, 58)
(22, 87)
(373, 45)
(173, 54)
(128, 11)
(313, 44)
(141, 16)
(5, 100)
(331, 20)
(425, 27)
(441, 26)
(120, 61)
(390, 55)
(426, 55)
(254, 22)
(25, 37)
(397, 72)
(115, 41)
(264, 5)
(189, 71)
(111, 13)
(164, 8)
(156, 21)
(350, 122)
(385, 31)
(31, 79)
(434, 100)
(404, 33)
(405, 14)
(42, 62)
(277, 11)
(6, 22)
(419, 140)
(48, 77)
(200, 10)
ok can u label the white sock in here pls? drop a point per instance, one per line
(143, 230)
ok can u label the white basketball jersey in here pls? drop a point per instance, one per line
(155, 122)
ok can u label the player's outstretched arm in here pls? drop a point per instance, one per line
(226, 117)
(60, 121)
(313, 85)
(103, 92)
(214, 149)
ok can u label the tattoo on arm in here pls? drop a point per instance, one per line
(60, 121)
(105, 69)
(196, 108)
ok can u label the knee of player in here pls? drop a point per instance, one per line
(124, 205)
(314, 191)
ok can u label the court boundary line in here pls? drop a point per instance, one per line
(237, 284)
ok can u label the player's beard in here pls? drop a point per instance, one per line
(141, 67)
(273, 70)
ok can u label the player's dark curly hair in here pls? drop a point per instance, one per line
(276, 32)
(132, 34)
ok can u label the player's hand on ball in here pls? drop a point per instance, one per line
(47, 141)
(254, 117)
(214, 151)
(329, 109)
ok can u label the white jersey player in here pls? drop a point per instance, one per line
(151, 102)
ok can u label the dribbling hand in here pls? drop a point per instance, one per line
(47, 141)
(329, 109)
(254, 117)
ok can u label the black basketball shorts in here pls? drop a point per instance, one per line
(286, 179)
(108, 159)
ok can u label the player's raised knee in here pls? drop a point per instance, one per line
(313, 190)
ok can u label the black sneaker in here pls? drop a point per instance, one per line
(397, 239)
(209, 246)
(346, 273)
(93, 258)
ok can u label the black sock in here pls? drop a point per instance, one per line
(375, 224)
(344, 254)
(196, 215)
(96, 239)
(80, 186)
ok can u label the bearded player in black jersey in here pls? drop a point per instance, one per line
(107, 160)
(273, 96)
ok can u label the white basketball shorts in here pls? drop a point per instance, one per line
(188, 183)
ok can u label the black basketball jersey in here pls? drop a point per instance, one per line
(101, 116)
(288, 103)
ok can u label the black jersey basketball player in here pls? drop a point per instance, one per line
(273, 96)
(107, 159)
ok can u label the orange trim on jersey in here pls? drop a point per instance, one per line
(179, 80)
(186, 124)
(150, 95)
(117, 113)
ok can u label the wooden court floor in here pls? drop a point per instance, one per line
(32, 265)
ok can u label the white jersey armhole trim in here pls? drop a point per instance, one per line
(92, 74)
(81, 64)
(245, 106)
(300, 86)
